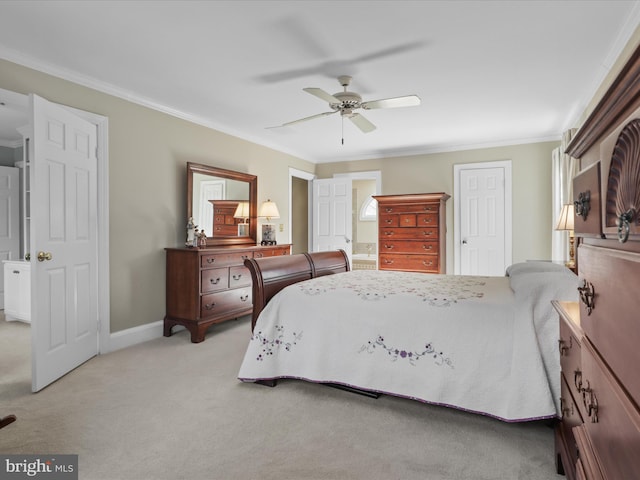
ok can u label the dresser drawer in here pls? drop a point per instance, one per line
(388, 220)
(272, 252)
(410, 208)
(571, 418)
(409, 246)
(587, 467)
(225, 302)
(416, 220)
(224, 259)
(415, 263)
(586, 198)
(239, 276)
(614, 424)
(214, 279)
(613, 323)
(409, 233)
(570, 358)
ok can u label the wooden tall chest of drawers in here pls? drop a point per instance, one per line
(598, 436)
(205, 286)
(412, 232)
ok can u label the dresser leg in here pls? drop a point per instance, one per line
(168, 325)
(197, 333)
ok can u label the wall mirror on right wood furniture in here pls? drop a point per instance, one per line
(213, 197)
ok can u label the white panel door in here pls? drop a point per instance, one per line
(209, 190)
(64, 286)
(482, 221)
(332, 219)
(9, 219)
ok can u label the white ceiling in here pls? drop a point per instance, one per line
(488, 72)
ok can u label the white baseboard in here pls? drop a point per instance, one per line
(135, 335)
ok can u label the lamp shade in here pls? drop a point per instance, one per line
(269, 210)
(565, 221)
(242, 211)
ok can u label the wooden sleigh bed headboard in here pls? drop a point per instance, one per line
(272, 274)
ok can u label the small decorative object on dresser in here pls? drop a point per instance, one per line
(598, 436)
(205, 286)
(412, 232)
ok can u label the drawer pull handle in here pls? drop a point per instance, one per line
(427, 264)
(389, 234)
(16, 271)
(244, 257)
(210, 260)
(387, 261)
(388, 221)
(427, 247)
(566, 412)
(388, 209)
(624, 224)
(215, 282)
(244, 298)
(587, 293)
(426, 220)
(209, 306)
(590, 402)
(427, 233)
(583, 204)
(259, 254)
(563, 347)
(577, 379)
(389, 246)
(237, 276)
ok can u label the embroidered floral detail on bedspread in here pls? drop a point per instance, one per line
(439, 358)
(377, 285)
(269, 346)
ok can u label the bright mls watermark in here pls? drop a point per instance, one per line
(50, 467)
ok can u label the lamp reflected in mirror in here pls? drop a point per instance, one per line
(242, 212)
(565, 223)
(268, 210)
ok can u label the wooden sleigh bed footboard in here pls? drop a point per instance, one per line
(272, 274)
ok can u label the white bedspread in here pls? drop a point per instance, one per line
(467, 342)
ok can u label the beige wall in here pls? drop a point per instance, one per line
(148, 152)
(531, 176)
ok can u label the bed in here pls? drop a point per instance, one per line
(487, 345)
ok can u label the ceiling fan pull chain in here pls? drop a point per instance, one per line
(342, 118)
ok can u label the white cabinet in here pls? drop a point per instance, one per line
(17, 290)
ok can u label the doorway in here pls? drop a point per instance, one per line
(101, 324)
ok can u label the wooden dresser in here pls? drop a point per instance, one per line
(224, 223)
(598, 436)
(205, 286)
(412, 232)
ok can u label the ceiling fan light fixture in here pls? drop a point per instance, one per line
(346, 102)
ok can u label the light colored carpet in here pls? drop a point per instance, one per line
(170, 409)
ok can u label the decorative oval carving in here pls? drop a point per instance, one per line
(623, 186)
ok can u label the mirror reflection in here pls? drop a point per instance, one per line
(222, 203)
(206, 190)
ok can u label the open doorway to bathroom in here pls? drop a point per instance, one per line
(364, 217)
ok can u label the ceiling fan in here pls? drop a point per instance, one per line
(346, 103)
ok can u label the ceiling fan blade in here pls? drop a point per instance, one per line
(324, 114)
(318, 92)
(406, 101)
(362, 123)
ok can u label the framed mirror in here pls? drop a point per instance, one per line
(217, 199)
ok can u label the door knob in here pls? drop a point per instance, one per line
(42, 256)
(464, 242)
